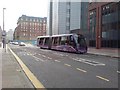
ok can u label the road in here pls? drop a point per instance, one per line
(56, 69)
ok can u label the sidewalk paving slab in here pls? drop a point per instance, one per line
(12, 74)
(110, 52)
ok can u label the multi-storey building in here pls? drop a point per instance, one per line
(9, 36)
(66, 16)
(104, 24)
(28, 28)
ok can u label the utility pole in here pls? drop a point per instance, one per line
(4, 32)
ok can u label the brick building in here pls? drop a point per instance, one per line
(104, 24)
(28, 28)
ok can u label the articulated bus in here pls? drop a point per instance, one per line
(64, 42)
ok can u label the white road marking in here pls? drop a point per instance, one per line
(66, 55)
(49, 57)
(59, 54)
(41, 60)
(103, 78)
(38, 58)
(118, 71)
(28, 54)
(31, 54)
(43, 55)
(90, 62)
(67, 65)
(81, 70)
(57, 61)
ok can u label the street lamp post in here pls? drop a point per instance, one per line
(4, 32)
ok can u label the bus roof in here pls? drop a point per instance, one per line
(42, 36)
(62, 35)
(56, 35)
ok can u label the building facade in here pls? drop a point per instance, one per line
(10, 35)
(66, 16)
(28, 28)
(104, 24)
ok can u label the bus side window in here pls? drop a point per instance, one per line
(59, 40)
(71, 38)
(41, 41)
(46, 41)
(72, 42)
(63, 40)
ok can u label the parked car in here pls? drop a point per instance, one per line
(21, 44)
(15, 43)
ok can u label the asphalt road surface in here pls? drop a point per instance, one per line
(56, 69)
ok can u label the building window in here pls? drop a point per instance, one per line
(30, 19)
(67, 27)
(23, 34)
(68, 20)
(37, 20)
(68, 5)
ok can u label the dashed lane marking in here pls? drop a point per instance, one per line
(28, 54)
(67, 65)
(57, 61)
(38, 58)
(49, 57)
(37, 84)
(44, 56)
(102, 78)
(81, 70)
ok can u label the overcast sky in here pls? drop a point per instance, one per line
(15, 8)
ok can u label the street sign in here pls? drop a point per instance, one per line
(3, 33)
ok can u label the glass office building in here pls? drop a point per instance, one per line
(65, 16)
(104, 24)
(110, 25)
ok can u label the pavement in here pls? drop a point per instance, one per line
(110, 52)
(12, 76)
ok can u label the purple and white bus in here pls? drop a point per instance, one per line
(64, 42)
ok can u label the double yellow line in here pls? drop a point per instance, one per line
(37, 84)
